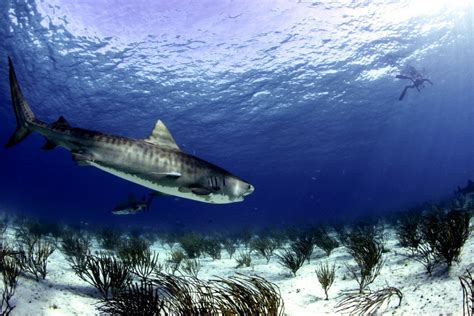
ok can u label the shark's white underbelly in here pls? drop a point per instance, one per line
(213, 198)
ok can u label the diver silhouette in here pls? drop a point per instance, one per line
(417, 80)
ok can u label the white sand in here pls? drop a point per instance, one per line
(63, 293)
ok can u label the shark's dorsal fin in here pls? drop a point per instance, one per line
(161, 136)
(61, 122)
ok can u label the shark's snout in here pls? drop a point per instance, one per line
(250, 189)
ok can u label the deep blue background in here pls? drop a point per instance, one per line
(298, 98)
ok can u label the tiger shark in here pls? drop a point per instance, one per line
(155, 162)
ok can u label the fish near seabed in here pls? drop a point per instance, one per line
(133, 206)
(155, 162)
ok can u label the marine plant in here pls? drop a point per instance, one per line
(133, 249)
(10, 270)
(292, 259)
(304, 244)
(367, 302)
(323, 241)
(166, 294)
(191, 267)
(366, 251)
(108, 238)
(265, 246)
(192, 245)
(138, 298)
(144, 265)
(342, 233)
(175, 260)
(244, 259)
(425, 254)
(467, 284)
(326, 275)
(408, 229)
(169, 239)
(247, 295)
(230, 246)
(278, 236)
(33, 255)
(104, 272)
(446, 233)
(28, 229)
(3, 225)
(75, 247)
(212, 247)
(245, 236)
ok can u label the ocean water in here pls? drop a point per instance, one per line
(299, 98)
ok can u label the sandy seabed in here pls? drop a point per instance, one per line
(63, 293)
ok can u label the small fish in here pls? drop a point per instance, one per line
(133, 206)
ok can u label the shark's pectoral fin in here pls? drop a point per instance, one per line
(201, 191)
(196, 190)
(48, 145)
(170, 174)
(161, 136)
(81, 159)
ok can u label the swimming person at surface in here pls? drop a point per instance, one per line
(417, 80)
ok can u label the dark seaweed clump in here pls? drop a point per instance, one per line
(325, 242)
(132, 249)
(104, 272)
(192, 245)
(244, 259)
(173, 295)
(366, 250)
(467, 284)
(108, 238)
(135, 253)
(367, 302)
(326, 275)
(10, 270)
(230, 246)
(434, 237)
(408, 229)
(304, 245)
(75, 247)
(446, 233)
(191, 267)
(265, 246)
(212, 247)
(292, 259)
(174, 262)
(33, 255)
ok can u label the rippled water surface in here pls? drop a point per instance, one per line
(298, 97)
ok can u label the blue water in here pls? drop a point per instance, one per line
(297, 97)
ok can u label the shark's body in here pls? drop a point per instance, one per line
(155, 162)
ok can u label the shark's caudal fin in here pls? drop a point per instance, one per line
(24, 115)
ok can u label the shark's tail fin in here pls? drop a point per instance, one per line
(24, 115)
